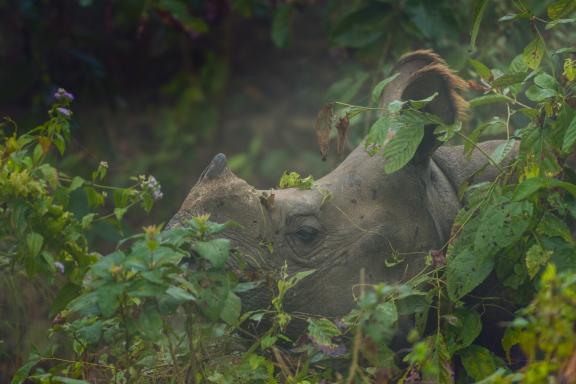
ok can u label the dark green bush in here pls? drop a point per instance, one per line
(164, 307)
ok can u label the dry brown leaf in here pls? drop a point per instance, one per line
(568, 374)
(323, 126)
(342, 128)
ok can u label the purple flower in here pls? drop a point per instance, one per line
(152, 185)
(64, 111)
(62, 94)
(342, 326)
(59, 266)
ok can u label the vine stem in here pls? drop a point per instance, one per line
(490, 159)
(357, 336)
(92, 184)
(110, 367)
(359, 106)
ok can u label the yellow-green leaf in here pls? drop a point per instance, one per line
(478, 13)
(569, 136)
(533, 53)
(561, 8)
(536, 257)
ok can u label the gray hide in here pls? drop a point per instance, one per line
(369, 215)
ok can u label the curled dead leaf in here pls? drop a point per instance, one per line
(323, 126)
(568, 373)
(342, 128)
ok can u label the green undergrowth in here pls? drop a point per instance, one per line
(165, 307)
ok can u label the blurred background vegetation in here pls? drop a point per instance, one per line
(161, 86)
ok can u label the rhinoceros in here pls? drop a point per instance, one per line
(357, 217)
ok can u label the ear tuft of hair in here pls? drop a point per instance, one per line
(423, 72)
(426, 55)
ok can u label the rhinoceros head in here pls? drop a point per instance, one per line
(356, 217)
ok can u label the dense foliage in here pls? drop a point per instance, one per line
(164, 307)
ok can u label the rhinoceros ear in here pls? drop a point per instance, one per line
(421, 74)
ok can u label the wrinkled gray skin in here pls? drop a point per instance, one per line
(353, 218)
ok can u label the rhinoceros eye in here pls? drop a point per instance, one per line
(307, 234)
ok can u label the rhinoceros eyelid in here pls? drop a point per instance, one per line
(307, 234)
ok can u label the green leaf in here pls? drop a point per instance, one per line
(479, 362)
(489, 99)
(49, 259)
(412, 304)
(180, 294)
(121, 197)
(561, 51)
(23, 372)
(446, 132)
(87, 220)
(322, 330)
(95, 199)
(502, 150)
(377, 91)
(150, 323)
(66, 294)
(501, 226)
(383, 322)
(569, 136)
(37, 154)
(91, 333)
(561, 8)
(215, 251)
(533, 53)
(395, 106)
(419, 104)
(511, 338)
(34, 242)
(537, 94)
(527, 188)
(477, 19)
(120, 212)
(379, 131)
(76, 183)
(509, 79)
(496, 124)
(552, 226)
(402, 147)
(267, 341)
(246, 286)
(510, 16)
(67, 380)
(568, 187)
(464, 331)
(481, 69)
(544, 80)
(437, 367)
(294, 180)
(50, 174)
(465, 271)
(231, 310)
(281, 25)
(536, 257)
(555, 23)
(299, 276)
(109, 298)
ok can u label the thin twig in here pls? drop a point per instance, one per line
(357, 337)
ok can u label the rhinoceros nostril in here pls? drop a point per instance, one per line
(215, 168)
